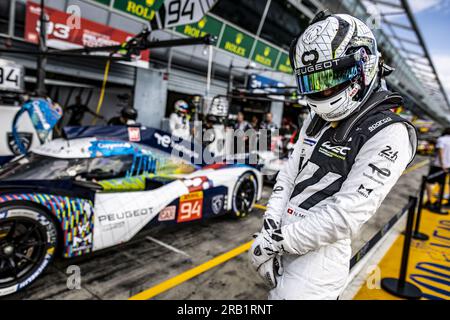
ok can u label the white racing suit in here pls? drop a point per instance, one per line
(326, 192)
(179, 126)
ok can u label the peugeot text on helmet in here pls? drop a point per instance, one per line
(335, 62)
(181, 106)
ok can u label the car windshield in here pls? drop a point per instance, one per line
(35, 166)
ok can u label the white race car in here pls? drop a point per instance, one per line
(72, 197)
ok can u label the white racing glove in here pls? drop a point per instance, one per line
(269, 271)
(265, 252)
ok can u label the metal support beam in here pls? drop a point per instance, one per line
(393, 13)
(405, 40)
(42, 59)
(399, 25)
(422, 42)
(419, 65)
(415, 53)
(387, 3)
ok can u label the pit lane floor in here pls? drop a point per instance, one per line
(428, 264)
(203, 260)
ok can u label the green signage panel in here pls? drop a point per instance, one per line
(105, 2)
(207, 25)
(236, 42)
(265, 54)
(284, 64)
(144, 9)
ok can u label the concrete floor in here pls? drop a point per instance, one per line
(124, 271)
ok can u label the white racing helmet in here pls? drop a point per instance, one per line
(336, 65)
(181, 106)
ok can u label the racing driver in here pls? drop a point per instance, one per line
(349, 155)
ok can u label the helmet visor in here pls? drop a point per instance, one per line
(326, 75)
(324, 80)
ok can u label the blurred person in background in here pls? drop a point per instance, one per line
(128, 116)
(179, 120)
(268, 123)
(255, 123)
(243, 126)
(441, 163)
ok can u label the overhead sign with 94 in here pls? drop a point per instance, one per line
(11, 76)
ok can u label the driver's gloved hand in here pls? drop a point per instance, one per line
(270, 270)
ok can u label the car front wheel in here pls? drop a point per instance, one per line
(28, 241)
(244, 195)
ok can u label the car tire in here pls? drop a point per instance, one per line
(28, 243)
(244, 195)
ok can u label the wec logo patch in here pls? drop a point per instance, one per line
(332, 151)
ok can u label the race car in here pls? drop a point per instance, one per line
(71, 197)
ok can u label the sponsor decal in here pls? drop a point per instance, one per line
(217, 203)
(167, 214)
(191, 207)
(309, 142)
(332, 151)
(82, 243)
(65, 32)
(389, 154)
(379, 123)
(36, 273)
(134, 134)
(113, 145)
(25, 137)
(166, 142)
(310, 57)
(354, 91)
(380, 173)
(117, 217)
(278, 189)
(110, 148)
(294, 212)
(317, 67)
(365, 192)
(82, 238)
